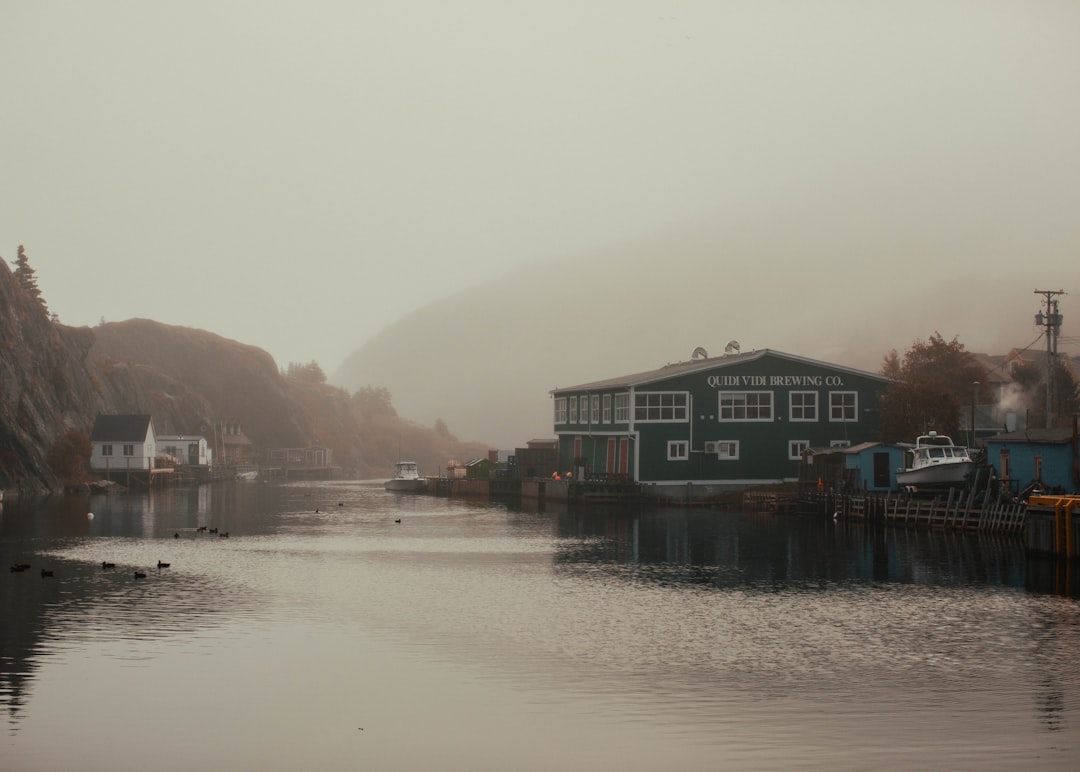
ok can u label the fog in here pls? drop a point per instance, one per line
(832, 178)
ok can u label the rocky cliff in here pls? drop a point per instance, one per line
(45, 386)
(55, 379)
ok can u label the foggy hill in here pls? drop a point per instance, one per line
(55, 379)
(185, 377)
(486, 358)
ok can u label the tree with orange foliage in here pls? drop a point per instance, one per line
(933, 382)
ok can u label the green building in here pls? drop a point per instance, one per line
(735, 420)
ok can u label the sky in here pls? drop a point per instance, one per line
(300, 176)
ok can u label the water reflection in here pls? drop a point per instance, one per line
(756, 638)
(745, 549)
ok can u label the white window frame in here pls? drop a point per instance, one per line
(733, 407)
(106, 450)
(607, 408)
(622, 408)
(680, 413)
(727, 450)
(129, 450)
(678, 450)
(803, 407)
(795, 449)
(560, 410)
(572, 411)
(834, 407)
(594, 413)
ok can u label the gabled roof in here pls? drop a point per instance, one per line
(478, 461)
(706, 364)
(120, 428)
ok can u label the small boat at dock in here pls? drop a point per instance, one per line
(935, 462)
(406, 478)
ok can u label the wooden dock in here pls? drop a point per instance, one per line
(951, 510)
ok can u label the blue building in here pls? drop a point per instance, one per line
(867, 466)
(1045, 456)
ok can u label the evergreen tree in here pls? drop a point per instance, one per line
(310, 372)
(25, 274)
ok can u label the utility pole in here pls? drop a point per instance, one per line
(1051, 322)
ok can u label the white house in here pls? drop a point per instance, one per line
(121, 442)
(188, 449)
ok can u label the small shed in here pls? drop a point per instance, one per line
(480, 468)
(868, 466)
(538, 459)
(122, 442)
(184, 449)
(871, 466)
(1044, 456)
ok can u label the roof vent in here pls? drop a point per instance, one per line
(700, 353)
(732, 347)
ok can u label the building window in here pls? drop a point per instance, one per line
(129, 450)
(746, 406)
(843, 406)
(678, 450)
(573, 410)
(607, 408)
(796, 448)
(622, 408)
(595, 412)
(727, 450)
(803, 406)
(1005, 465)
(660, 406)
(839, 443)
(560, 410)
(106, 450)
(1038, 469)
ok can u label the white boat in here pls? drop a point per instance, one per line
(935, 462)
(406, 478)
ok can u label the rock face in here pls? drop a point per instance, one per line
(56, 379)
(45, 387)
(186, 378)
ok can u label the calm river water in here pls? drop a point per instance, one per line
(323, 634)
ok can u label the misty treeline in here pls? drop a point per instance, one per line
(936, 380)
(310, 372)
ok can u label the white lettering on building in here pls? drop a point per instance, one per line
(790, 381)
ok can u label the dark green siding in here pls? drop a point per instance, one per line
(763, 445)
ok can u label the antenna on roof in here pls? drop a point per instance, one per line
(700, 353)
(732, 347)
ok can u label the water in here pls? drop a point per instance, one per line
(322, 634)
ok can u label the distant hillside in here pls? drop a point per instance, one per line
(486, 358)
(55, 379)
